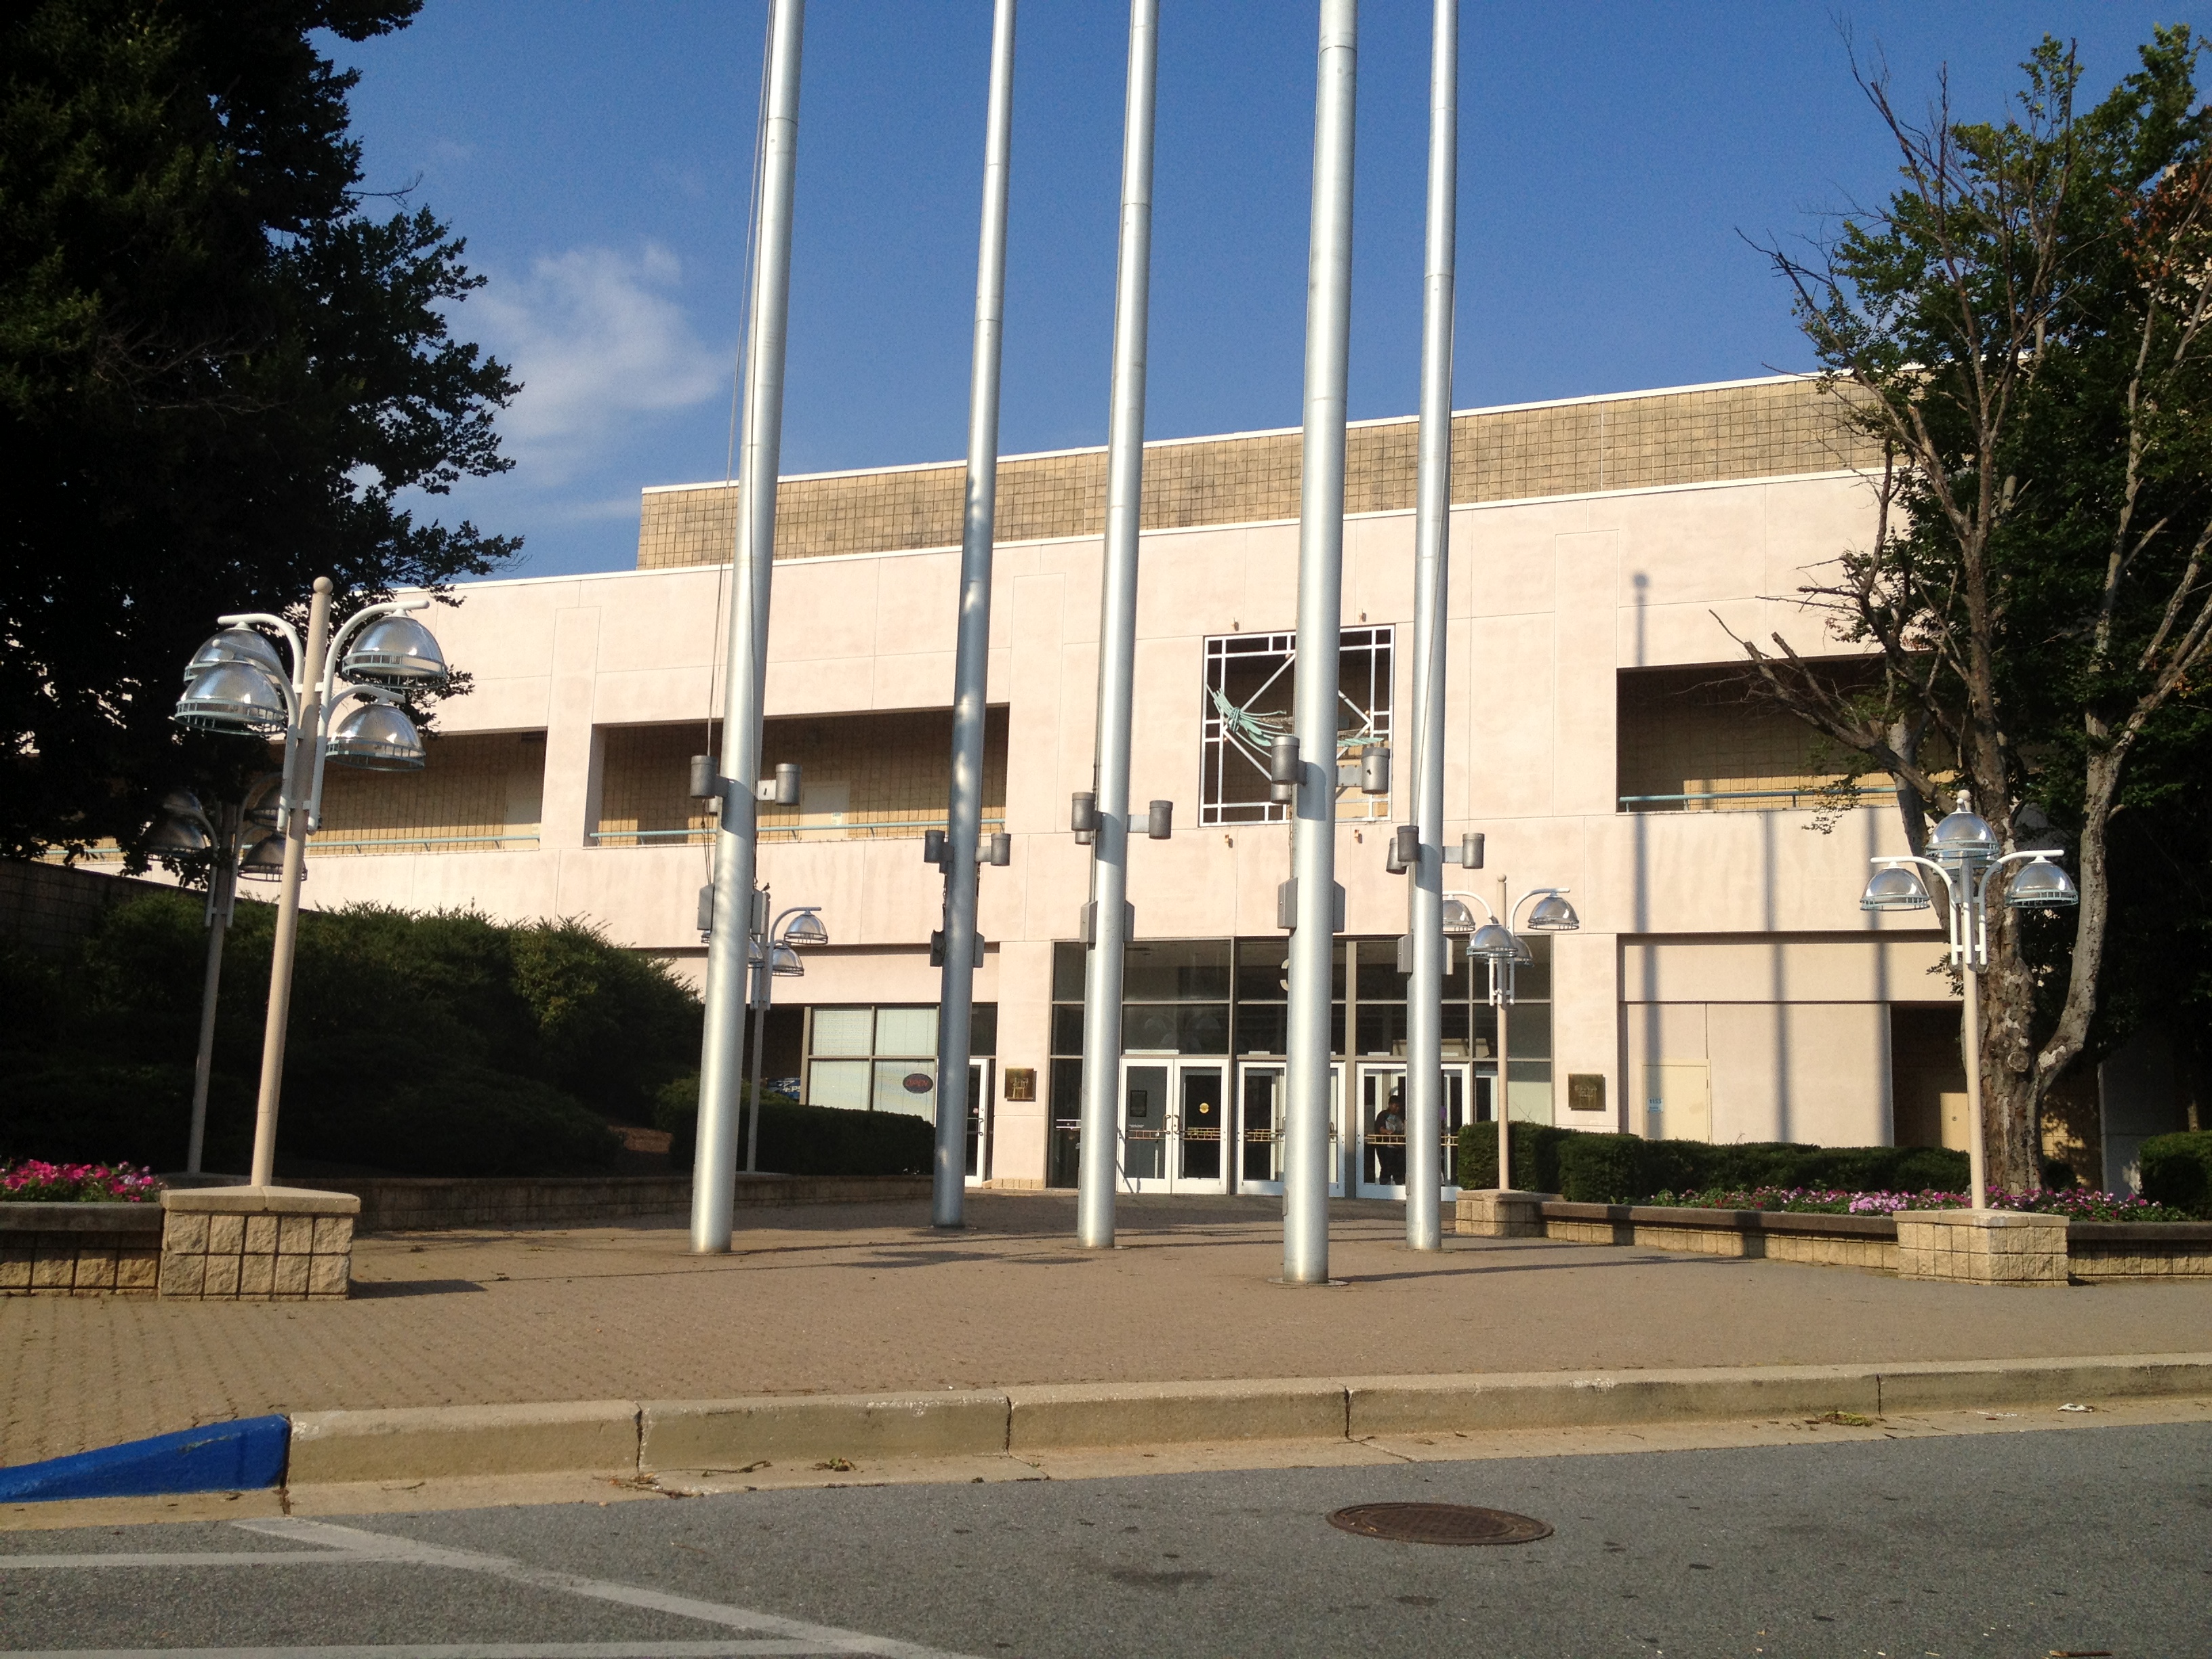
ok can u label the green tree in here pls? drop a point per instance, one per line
(219, 372)
(2022, 324)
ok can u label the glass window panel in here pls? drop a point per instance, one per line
(1263, 968)
(1150, 1028)
(843, 1083)
(1532, 980)
(1259, 1028)
(1203, 1029)
(891, 1094)
(1383, 1028)
(1067, 971)
(983, 1029)
(1067, 1029)
(1529, 1035)
(906, 1031)
(1379, 978)
(1176, 970)
(844, 1031)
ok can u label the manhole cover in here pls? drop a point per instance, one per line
(1439, 1524)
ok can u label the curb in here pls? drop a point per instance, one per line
(626, 1437)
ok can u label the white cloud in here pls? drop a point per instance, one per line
(594, 336)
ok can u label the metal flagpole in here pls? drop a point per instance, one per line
(1501, 994)
(1320, 621)
(222, 899)
(1424, 1076)
(714, 1173)
(1117, 647)
(964, 819)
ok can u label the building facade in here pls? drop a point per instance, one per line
(1725, 984)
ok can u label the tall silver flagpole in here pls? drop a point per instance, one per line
(1425, 1079)
(964, 821)
(1117, 647)
(715, 1172)
(1321, 620)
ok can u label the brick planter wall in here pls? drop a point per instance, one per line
(415, 1203)
(1828, 1241)
(80, 1249)
(2139, 1249)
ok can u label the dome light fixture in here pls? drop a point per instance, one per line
(244, 645)
(395, 650)
(1552, 913)
(1894, 887)
(2042, 886)
(239, 698)
(377, 738)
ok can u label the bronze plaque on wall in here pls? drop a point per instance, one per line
(1585, 1091)
(1021, 1083)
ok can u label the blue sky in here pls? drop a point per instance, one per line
(1613, 157)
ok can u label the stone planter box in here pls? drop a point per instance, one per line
(80, 1249)
(2091, 1251)
(1828, 1241)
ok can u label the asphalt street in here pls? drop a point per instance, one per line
(2088, 1541)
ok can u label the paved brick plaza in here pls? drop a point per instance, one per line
(846, 1298)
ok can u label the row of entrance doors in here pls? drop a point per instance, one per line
(1183, 1131)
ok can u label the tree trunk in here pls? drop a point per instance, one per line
(2012, 1139)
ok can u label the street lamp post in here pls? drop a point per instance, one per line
(237, 682)
(1964, 853)
(773, 957)
(1496, 943)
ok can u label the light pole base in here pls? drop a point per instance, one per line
(1496, 1212)
(1982, 1247)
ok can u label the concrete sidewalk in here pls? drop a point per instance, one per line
(848, 1299)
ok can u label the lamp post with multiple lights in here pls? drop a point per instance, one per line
(238, 683)
(775, 955)
(1496, 943)
(1964, 852)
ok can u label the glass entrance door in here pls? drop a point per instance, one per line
(1382, 1129)
(1260, 1138)
(1173, 1137)
(979, 1121)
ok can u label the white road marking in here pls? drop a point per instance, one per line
(353, 1547)
(825, 1638)
(456, 1650)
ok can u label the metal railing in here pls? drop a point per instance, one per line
(864, 829)
(1787, 797)
(423, 843)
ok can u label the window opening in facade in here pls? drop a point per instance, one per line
(1698, 739)
(1250, 680)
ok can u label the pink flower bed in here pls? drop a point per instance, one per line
(33, 1181)
(2076, 1203)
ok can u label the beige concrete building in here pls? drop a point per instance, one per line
(1724, 985)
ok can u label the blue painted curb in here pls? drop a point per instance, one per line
(238, 1456)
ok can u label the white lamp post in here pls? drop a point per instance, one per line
(773, 958)
(1964, 854)
(1496, 943)
(237, 682)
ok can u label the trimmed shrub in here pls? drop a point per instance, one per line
(1584, 1167)
(806, 1140)
(2177, 1170)
(421, 1044)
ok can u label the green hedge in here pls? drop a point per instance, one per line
(2177, 1170)
(421, 1044)
(806, 1140)
(1587, 1168)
